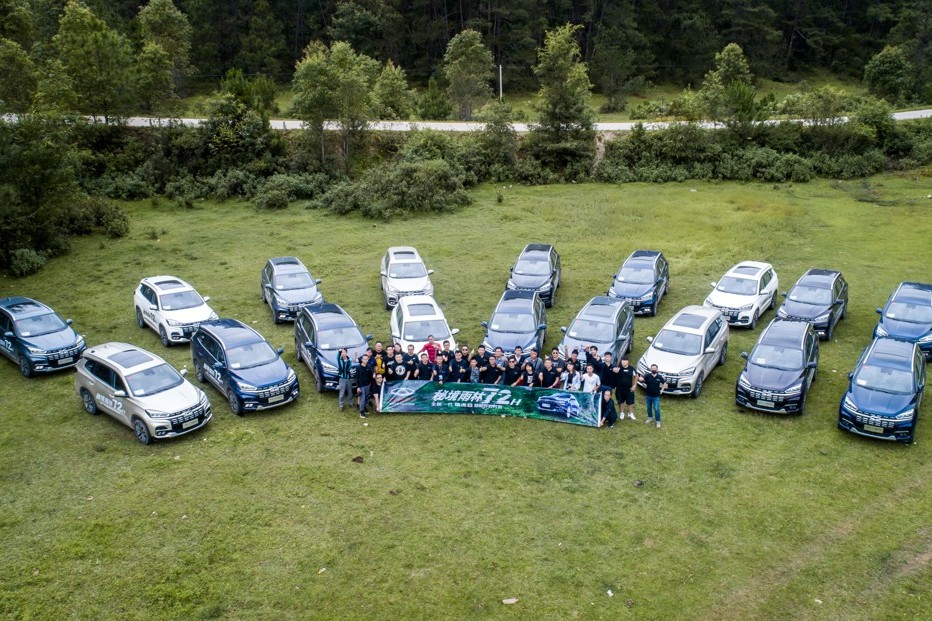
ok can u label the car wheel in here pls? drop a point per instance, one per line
(697, 389)
(141, 431)
(24, 367)
(830, 330)
(653, 308)
(163, 336)
(139, 320)
(199, 372)
(773, 301)
(318, 382)
(235, 406)
(275, 318)
(90, 406)
(723, 357)
(753, 321)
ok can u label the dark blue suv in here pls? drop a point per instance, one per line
(320, 332)
(242, 366)
(644, 278)
(908, 316)
(885, 392)
(780, 369)
(819, 297)
(287, 287)
(538, 268)
(519, 320)
(33, 336)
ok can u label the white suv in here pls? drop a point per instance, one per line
(745, 293)
(417, 317)
(686, 350)
(403, 273)
(171, 307)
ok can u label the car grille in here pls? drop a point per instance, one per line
(186, 415)
(727, 311)
(189, 329)
(767, 395)
(271, 391)
(876, 421)
(402, 294)
(68, 352)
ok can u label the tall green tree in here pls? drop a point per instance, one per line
(619, 53)
(162, 23)
(16, 22)
(467, 66)
(913, 33)
(263, 44)
(392, 98)
(433, 104)
(360, 25)
(97, 59)
(889, 75)
(725, 88)
(18, 86)
(155, 80)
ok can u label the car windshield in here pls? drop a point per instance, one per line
(591, 331)
(913, 313)
(512, 322)
(180, 300)
(153, 380)
(636, 275)
(775, 357)
(295, 280)
(811, 295)
(406, 270)
(252, 355)
(532, 267)
(676, 342)
(37, 325)
(884, 379)
(338, 338)
(738, 286)
(419, 330)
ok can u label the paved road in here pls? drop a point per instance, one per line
(453, 126)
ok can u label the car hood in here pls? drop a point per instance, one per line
(523, 281)
(509, 340)
(196, 314)
(730, 300)
(51, 342)
(630, 290)
(331, 356)
(573, 343)
(668, 362)
(905, 329)
(181, 397)
(298, 296)
(771, 379)
(274, 372)
(410, 284)
(804, 311)
(879, 402)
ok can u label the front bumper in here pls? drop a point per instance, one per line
(183, 422)
(640, 306)
(181, 334)
(767, 400)
(676, 385)
(58, 360)
(877, 427)
(270, 397)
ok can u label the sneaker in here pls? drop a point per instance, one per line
(649, 420)
(631, 416)
(341, 407)
(658, 424)
(363, 415)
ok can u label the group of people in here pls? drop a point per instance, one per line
(594, 374)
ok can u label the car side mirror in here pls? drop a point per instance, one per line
(183, 371)
(280, 350)
(429, 272)
(850, 375)
(650, 339)
(783, 293)
(68, 322)
(563, 329)
(485, 324)
(218, 365)
(542, 326)
(207, 298)
(308, 344)
(9, 335)
(455, 331)
(368, 337)
(382, 273)
(317, 280)
(812, 365)
(710, 350)
(839, 302)
(268, 286)
(511, 269)
(878, 310)
(119, 393)
(744, 355)
(153, 307)
(714, 284)
(396, 335)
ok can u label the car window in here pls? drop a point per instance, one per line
(5, 324)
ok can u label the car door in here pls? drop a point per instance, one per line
(709, 360)
(383, 272)
(105, 386)
(763, 291)
(7, 345)
(555, 266)
(840, 298)
(313, 352)
(150, 314)
(812, 355)
(395, 323)
(540, 315)
(214, 363)
(664, 269)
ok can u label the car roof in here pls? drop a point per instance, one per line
(692, 319)
(231, 332)
(287, 264)
(818, 278)
(537, 247)
(128, 358)
(915, 292)
(892, 353)
(602, 307)
(329, 315)
(20, 307)
(516, 300)
(748, 269)
(408, 301)
(403, 254)
(785, 332)
(643, 256)
(164, 284)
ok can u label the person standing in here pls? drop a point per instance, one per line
(512, 374)
(344, 378)
(474, 375)
(397, 369)
(430, 348)
(492, 373)
(363, 383)
(441, 369)
(459, 367)
(535, 361)
(624, 392)
(591, 383)
(520, 357)
(557, 362)
(379, 358)
(377, 391)
(609, 413)
(424, 370)
(549, 377)
(654, 384)
(529, 377)
(571, 378)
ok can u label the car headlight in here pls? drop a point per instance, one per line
(79, 342)
(926, 339)
(213, 317)
(35, 350)
(291, 375)
(172, 322)
(746, 307)
(743, 381)
(328, 368)
(245, 386)
(880, 330)
(849, 405)
(907, 415)
(544, 287)
(795, 389)
(688, 371)
(429, 289)
(823, 317)
(646, 297)
(512, 285)
(390, 289)
(157, 414)
(319, 298)
(280, 300)
(781, 312)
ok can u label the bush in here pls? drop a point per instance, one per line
(530, 171)
(271, 198)
(25, 261)
(110, 219)
(226, 184)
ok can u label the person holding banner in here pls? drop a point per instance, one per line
(571, 378)
(549, 377)
(609, 413)
(492, 373)
(512, 374)
(529, 377)
(474, 376)
(590, 381)
(424, 370)
(376, 391)
(459, 367)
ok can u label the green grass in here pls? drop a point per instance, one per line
(740, 515)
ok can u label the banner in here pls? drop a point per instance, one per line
(417, 396)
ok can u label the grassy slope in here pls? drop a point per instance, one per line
(267, 517)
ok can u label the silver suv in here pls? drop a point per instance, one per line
(140, 390)
(403, 273)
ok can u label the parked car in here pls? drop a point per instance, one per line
(745, 293)
(140, 390)
(644, 278)
(403, 273)
(780, 369)
(908, 316)
(819, 297)
(607, 323)
(320, 332)
(538, 269)
(558, 404)
(885, 391)
(242, 366)
(687, 349)
(415, 318)
(287, 287)
(519, 320)
(171, 307)
(34, 336)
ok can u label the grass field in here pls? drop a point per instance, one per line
(740, 515)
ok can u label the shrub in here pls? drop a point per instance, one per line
(232, 182)
(530, 171)
(110, 219)
(271, 198)
(25, 261)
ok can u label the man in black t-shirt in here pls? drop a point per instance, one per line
(492, 373)
(424, 370)
(459, 367)
(512, 374)
(654, 384)
(397, 370)
(364, 374)
(558, 363)
(624, 392)
(549, 377)
(607, 372)
(411, 360)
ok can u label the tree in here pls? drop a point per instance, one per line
(913, 33)
(18, 86)
(731, 77)
(97, 59)
(359, 24)
(16, 22)
(256, 93)
(154, 79)
(564, 133)
(392, 99)
(161, 22)
(263, 45)
(433, 105)
(889, 74)
(467, 66)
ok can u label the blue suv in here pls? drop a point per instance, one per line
(644, 278)
(36, 338)
(320, 332)
(908, 316)
(242, 366)
(287, 287)
(885, 392)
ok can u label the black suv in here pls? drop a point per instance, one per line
(607, 323)
(537, 269)
(320, 332)
(287, 287)
(780, 368)
(819, 297)
(644, 278)
(519, 320)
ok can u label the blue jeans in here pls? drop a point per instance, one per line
(363, 398)
(346, 390)
(653, 407)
